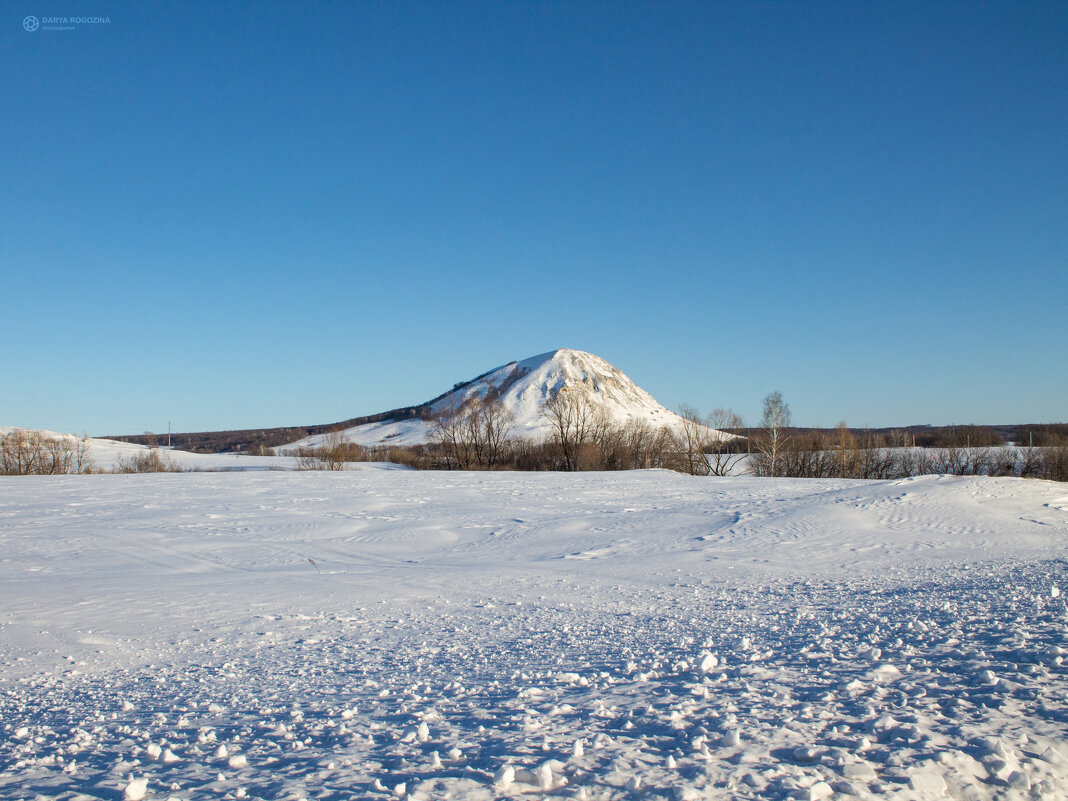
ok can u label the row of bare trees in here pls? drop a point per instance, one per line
(33, 453)
(36, 453)
(844, 455)
(703, 446)
(582, 436)
(872, 456)
(474, 435)
(777, 451)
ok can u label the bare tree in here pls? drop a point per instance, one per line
(1030, 461)
(452, 433)
(807, 456)
(19, 454)
(27, 453)
(723, 451)
(692, 439)
(83, 461)
(873, 460)
(572, 417)
(773, 437)
(845, 448)
(333, 453)
(1055, 460)
(490, 424)
(637, 445)
(601, 452)
(473, 434)
(613, 445)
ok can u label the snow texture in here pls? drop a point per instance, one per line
(401, 634)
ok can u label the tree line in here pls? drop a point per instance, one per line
(777, 450)
(473, 435)
(35, 453)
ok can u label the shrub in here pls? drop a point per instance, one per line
(331, 455)
(151, 461)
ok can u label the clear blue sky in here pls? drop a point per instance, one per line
(233, 215)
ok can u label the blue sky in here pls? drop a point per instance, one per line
(234, 215)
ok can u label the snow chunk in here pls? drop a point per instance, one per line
(237, 762)
(928, 782)
(504, 777)
(135, 790)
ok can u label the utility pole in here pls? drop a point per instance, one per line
(168, 435)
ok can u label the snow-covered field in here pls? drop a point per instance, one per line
(374, 634)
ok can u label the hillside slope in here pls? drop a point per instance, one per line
(524, 387)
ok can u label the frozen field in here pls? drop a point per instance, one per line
(380, 634)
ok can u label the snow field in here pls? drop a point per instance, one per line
(483, 636)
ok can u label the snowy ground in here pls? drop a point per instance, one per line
(375, 634)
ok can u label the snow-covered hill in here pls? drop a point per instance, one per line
(523, 388)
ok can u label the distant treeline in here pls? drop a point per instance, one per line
(259, 441)
(582, 437)
(864, 459)
(1039, 434)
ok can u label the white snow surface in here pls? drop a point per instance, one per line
(377, 634)
(524, 387)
